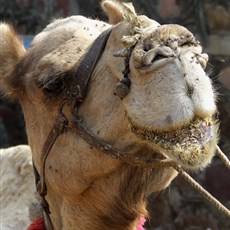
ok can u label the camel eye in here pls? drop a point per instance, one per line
(52, 88)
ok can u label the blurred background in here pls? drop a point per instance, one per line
(179, 207)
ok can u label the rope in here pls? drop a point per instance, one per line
(221, 155)
(200, 189)
(203, 192)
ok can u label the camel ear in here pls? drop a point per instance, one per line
(11, 52)
(113, 11)
(116, 10)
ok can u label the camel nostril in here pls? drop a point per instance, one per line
(147, 47)
(190, 90)
(215, 116)
(158, 57)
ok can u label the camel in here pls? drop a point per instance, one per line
(17, 191)
(109, 107)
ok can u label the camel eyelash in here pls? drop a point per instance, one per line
(51, 88)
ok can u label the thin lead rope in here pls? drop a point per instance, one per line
(200, 189)
(221, 155)
(203, 192)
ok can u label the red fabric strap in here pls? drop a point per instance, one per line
(37, 225)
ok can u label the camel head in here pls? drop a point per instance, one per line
(171, 100)
(148, 96)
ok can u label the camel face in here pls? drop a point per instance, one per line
(171, 102)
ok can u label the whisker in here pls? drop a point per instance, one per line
(208, 63)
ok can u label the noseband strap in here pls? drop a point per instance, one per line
(82, 73)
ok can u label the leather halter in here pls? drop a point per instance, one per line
(79, 91)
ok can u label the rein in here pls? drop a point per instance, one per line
(78, 92)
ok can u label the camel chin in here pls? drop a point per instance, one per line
(192, 146)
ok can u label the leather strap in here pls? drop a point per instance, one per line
(58, 128)
(78, 91)
(83, 72)
(86, 134)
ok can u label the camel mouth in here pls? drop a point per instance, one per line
(191, 146)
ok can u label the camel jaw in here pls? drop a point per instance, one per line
(192, 146)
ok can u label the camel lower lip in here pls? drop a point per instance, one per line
(189, 146)
(198, 131)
